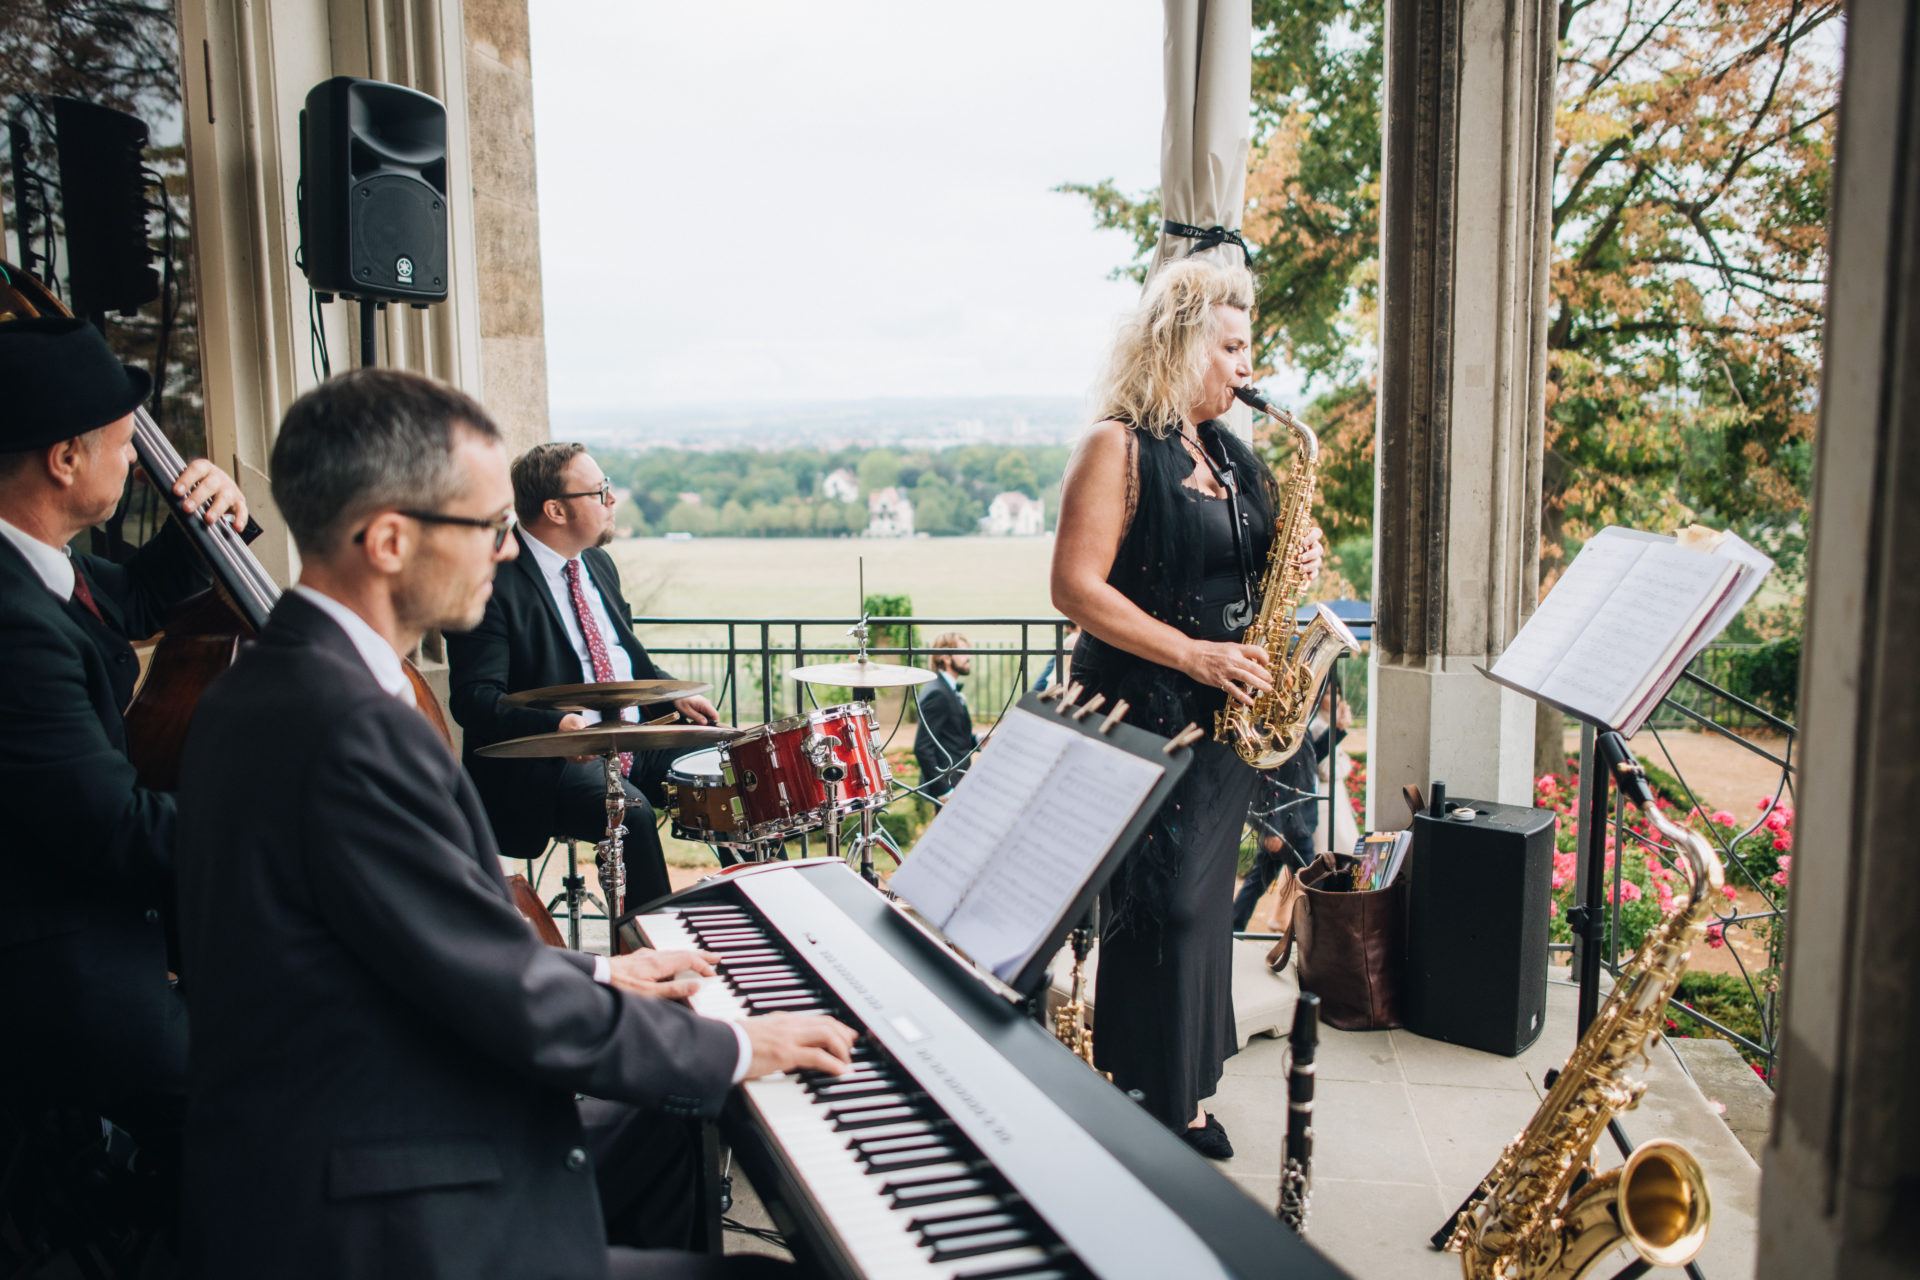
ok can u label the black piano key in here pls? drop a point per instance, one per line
(946, 1224)
(788, 1004)
(914, 1130)
(879, 1115)
(911, 1195)
(872, 1088)
(897, 1098)
(875, 1145)
(985, 1242)
(900, 1161)
(1045, 1269)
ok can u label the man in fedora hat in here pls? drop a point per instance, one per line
(92, 1016)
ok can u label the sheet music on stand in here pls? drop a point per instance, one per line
(1032, 833)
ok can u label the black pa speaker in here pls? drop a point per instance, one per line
(1481, 882)
(103, 195)
(373, 192)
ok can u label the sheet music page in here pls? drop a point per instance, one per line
(1657, 606)
(1570, 607)
(980, 812)
(1052, 848)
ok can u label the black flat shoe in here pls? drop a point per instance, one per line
(1209, 1139)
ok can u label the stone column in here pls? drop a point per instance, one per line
(1466, 185)
(1840, 1192)
(506, 219)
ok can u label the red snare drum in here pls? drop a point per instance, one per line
(775, 770)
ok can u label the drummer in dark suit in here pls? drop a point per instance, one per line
(557, 617)
(386, 1059)
(91, 1015)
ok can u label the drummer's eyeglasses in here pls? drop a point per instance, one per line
(502, 525)
(604, 493)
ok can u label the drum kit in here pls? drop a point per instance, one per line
(742, 792)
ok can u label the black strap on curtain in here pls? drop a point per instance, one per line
(1205, 238)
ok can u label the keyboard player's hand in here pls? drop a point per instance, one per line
(651, 973)
(798, 1042)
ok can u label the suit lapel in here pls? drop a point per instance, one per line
(537, 583)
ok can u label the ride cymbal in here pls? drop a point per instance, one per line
(608, 697)
(861, 675)
(600, 739)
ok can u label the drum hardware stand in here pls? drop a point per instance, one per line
(573, 892)
(610, 854)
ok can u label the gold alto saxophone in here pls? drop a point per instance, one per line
(1269, 731)
(1526, 1220)
(1070, 1019)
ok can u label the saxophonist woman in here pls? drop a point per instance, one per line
(1165, 522)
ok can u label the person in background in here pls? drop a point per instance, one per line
(1062, 660)
(943, 744)
(557, 617)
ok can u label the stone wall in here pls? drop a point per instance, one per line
(506, 218)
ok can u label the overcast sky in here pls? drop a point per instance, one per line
(754, 200)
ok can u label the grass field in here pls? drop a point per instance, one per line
(819, 577)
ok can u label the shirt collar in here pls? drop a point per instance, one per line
(551, 562)
(53, 565)
(379, 656)
(951, 682)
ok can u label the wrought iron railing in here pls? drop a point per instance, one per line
(1743, 848)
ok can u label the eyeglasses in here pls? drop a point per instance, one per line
(604, 493)
(502, 525)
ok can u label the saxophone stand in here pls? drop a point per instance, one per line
(1605, 758)
(610, 854)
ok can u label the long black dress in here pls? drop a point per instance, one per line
(1164, 995)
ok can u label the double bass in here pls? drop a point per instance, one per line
(204, 634)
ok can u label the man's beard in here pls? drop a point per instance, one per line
(606, 536)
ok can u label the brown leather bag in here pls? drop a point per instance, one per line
(1352, 948)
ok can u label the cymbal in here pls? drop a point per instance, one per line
(861, 675)
(608, 697)
(598, 739)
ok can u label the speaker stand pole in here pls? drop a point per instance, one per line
(1588, 919)
(369, 342)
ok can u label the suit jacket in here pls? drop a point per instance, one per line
(385, 1057)
(945, 735)
(522, 644)
(88, 854)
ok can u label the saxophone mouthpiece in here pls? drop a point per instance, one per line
(1254, 400)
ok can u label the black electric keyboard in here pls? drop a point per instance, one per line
(966, 1143)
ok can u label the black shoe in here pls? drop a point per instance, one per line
(1209, 1139)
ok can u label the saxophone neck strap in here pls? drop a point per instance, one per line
(1240, 612)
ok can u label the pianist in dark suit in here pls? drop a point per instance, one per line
(88, 859)
(385, 1057)
(557, 617)
(943, 744)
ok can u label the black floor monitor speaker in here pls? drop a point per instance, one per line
(1477, 925)
(373, 192)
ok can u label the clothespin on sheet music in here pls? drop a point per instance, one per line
(1049, 693)
(1113, 716)
(1091, 704)
(1186, 737)
(1069, 696)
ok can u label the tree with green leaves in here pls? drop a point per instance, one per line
(1692, 167)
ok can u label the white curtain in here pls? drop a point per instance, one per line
(1206, 136)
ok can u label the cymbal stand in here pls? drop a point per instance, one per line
(610, 853)
(573, 892)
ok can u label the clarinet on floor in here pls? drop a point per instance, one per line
(1296, 1170)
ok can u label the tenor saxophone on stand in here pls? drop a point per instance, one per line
(1527, 1220)
(1267, 732)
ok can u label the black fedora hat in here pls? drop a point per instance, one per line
(58, 380)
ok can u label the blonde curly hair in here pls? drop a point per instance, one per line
(1159, 357)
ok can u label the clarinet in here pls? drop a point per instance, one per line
(1296, 1170)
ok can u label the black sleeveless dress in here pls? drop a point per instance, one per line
(1163, 997)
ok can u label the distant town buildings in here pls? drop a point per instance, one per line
(841, 486)
(1014, 515)
(889, 514)
(690, 498)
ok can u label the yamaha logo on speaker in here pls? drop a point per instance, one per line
(404, 269)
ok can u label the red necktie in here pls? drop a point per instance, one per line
(596, 643)
(84, 595)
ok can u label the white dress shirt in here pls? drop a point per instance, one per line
(374, 650)
(553, 568)
(54, 565)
